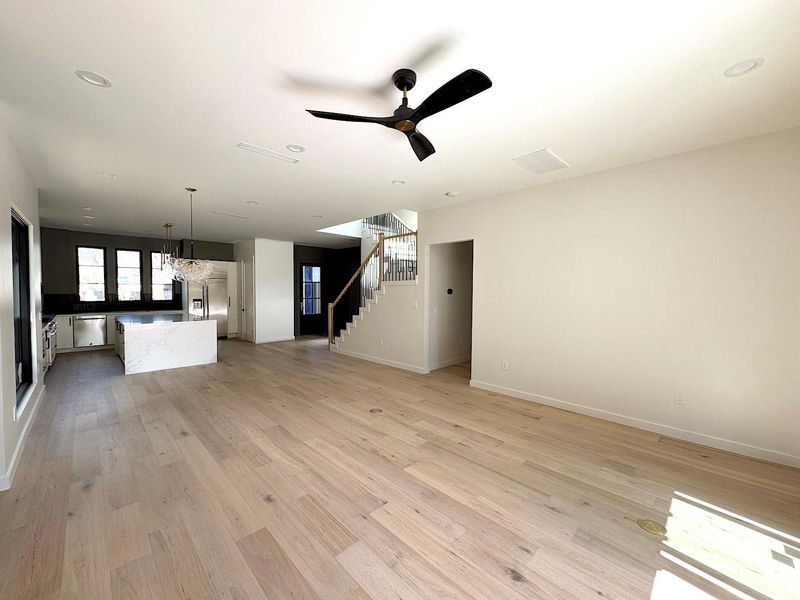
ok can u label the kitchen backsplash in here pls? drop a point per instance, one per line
(57, 304)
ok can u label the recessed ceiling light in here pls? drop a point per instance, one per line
(87, 208)
(743, 67)
(88, 217)
(108, 175)
(451, 194)
(252, 203)
(266, 152)
(93, 78)
(295, 148)
(398, 181)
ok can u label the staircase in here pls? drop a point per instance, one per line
(392, 259)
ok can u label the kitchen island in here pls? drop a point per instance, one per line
(154, 342)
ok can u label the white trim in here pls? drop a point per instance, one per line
(20, 407)
(381, 361)
(401, 281)
(452, 361)
(277, 339)
(7, 477)
(667, 430)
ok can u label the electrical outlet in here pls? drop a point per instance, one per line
(504, 364)
(679, 398)
(461, 341)
(381, 343)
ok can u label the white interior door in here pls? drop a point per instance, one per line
(248, 299)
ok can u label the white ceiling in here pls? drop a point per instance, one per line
(602, 84)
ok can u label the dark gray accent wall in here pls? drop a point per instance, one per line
(338, 265)
(208, 250)
(60, 270)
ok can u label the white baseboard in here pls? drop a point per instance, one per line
(7, 477)
(667, 430)
(381, 361)
(277, 339)
(452, 361)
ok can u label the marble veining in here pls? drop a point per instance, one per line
(158, 342)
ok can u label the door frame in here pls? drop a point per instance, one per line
(428, 296)
(322, 316)
(34, 313)
(244, 299)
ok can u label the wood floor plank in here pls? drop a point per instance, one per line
(180, 571)
(136, 580)
(374, 576)
(86, 557)
(39, 565)
(277, 574)
(126, 535)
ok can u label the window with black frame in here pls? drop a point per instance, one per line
(20, 270)
(129, 275)
(311, 303)
(91, 274)
(160, 278)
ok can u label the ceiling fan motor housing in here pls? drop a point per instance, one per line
(404, 79)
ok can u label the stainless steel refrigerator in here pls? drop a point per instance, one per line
(210, 301)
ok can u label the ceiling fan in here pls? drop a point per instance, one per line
(405, 119)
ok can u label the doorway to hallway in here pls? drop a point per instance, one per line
(450, 307)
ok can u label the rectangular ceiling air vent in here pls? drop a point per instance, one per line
(266, 152)
(224, 214)
(540, 162)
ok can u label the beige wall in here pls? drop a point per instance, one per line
(613, 292)
(17, 191)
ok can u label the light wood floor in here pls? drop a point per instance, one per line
(286, 472)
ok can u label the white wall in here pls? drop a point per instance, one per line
(449, 315)
(274, 290)
(391, 332)
(17, 191)
(409, 217)
(610, 293)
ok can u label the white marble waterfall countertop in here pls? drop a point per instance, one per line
(157, 318)
(157, 342)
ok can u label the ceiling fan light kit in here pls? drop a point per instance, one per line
(405, 119)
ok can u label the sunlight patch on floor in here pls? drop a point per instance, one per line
(746, 558)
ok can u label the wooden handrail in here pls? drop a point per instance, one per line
(359, 271)
(356, 274)
(399, 235)
(381, 255)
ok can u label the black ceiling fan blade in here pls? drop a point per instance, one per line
(352, 118)
(422, 146)
(458, 89)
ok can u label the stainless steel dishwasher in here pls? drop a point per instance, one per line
(90, 330)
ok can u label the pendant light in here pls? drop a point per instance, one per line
(167, 255)
(191, 269)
